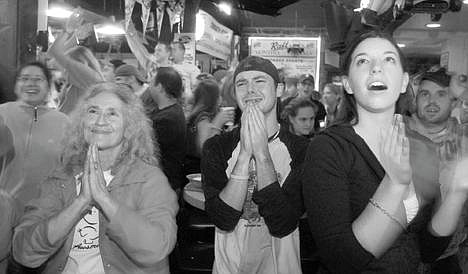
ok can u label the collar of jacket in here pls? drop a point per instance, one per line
(128, 174)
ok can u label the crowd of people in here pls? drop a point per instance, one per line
(95, 185)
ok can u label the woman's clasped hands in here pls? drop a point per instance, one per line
(93, 185)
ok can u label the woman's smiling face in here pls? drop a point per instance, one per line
(32, 86)
(104, 122)
(376, 76)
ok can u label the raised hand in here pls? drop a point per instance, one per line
(394, 152)
(458, 84)
(258, 132)
(74, 21)
(460, 175)
(222, 117)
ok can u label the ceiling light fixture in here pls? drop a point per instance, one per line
(59, 12)
(401, 45)
(465, 2)
(433, 25)
(109, 29)
(225, 7)
(59, 9)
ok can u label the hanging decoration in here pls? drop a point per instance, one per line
(129, 4)
(153, 13)
(145, 13)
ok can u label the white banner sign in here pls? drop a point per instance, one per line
(301, 54)
(216, 38)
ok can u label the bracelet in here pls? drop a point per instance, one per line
(376, 205)
(240, 177)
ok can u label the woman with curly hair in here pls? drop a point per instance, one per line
(108, 208)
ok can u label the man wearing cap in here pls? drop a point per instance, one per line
(307, 90)
(434, 126)
(434, 104)
(129, 75)
(250, 181)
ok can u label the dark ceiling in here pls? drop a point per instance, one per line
(267, 7)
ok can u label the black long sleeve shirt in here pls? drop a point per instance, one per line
(340, 175)
(280, 206)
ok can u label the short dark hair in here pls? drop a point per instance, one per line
(170, 80)
(166, 45)
(179, 44)
(205, 76)
(41, 66)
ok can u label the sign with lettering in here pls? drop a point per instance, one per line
(216, 38)
(301, 54)
(189, 42)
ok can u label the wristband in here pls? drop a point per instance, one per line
(240, 177)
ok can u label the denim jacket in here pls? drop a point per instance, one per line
(138, 239)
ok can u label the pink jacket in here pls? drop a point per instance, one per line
(137, 240)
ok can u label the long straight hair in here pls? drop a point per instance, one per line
(205, 100)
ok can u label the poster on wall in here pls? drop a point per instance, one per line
(444, 59)
(189, 42)
(215, 38)
(299, 54)
(235, 51)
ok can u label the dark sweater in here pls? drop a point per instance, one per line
(169, 128)
(280, 206)
(340, 175)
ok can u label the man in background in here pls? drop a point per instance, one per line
(188, 72)
(150, 62)
(169, 124)
(434, 104)
(129, 75)
(307, 90)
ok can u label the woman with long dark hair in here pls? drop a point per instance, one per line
(204, 121)
(359, 188)
(299, 116)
